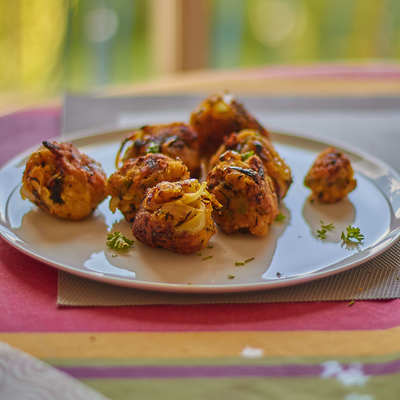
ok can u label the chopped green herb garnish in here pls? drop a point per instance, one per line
(239, 263)
(351, 303)
(231, 276)
(210, 246)
(153, 148)
(280, 217)
(247, 155)
(321, 233)
(206, 258)
(352, 236)
(328, 227)
(118, 241)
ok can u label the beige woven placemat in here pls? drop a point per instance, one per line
(376, 279)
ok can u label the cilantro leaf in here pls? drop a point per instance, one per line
(280, 217)
(327, 227)
(353, 235)
(153, 148)
(321, 233)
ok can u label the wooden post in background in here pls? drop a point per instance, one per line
(180, 35)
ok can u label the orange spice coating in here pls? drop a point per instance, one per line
(176, 216)
(176, 140)
(218, 116)
(331, 177)
(62, 181)
(249, 141)
(127, 186)
(247, 195)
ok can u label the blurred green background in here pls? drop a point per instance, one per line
(47, 46)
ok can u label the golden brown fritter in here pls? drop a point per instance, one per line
(177, 140)
(176, 216)
(219, 116)
(331, 177)
(62, 181)
(249, 142)
(128, 185)
(247, 195)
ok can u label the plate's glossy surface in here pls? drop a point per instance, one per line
(290, 254)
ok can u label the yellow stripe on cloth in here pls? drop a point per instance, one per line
(204, 344)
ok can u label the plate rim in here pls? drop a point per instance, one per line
(369, 253)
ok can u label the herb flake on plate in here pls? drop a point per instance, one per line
(117, 241)
(241, 263)
(321, 233)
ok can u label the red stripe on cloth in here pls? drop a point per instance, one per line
(24, 129)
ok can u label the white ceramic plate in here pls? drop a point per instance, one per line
(290, 254)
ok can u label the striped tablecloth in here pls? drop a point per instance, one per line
(329, 350)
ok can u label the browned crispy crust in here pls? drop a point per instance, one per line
(248, 199)
(127, 186)
(157, 226)
(218, 116)
(331, 177)
(176, 140)
(62, 181)
(249, 140)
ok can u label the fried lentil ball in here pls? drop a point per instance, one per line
(331, 177)
(176, 140)
(62, 181)
(247, 142)
(218, 116)
(127, 186)
(247, 195)
(176, 216)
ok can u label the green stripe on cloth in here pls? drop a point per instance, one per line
(376, 388)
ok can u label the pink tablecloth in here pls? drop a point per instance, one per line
(102, 345)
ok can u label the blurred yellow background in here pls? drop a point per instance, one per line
(49, 46)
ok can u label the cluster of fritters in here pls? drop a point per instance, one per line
(156, 185)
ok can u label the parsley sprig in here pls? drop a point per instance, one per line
(280, 217)
(352, 236)
(325, 228)
(153, 148)
(117, 241)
